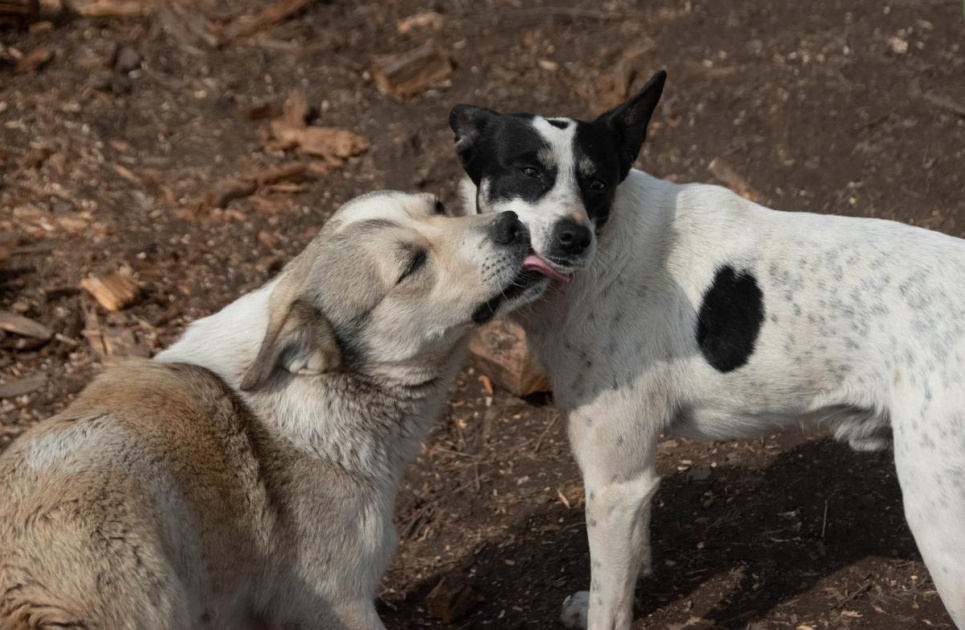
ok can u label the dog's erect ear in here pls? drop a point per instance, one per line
(630, 120)
(469, 123)
(299, 340)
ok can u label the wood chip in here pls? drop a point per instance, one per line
(267, 239)
(18, 12)
(292, 132)
(423, 19)
(228, 190)
(114, 291)
(297, 109)
(501, 353)
(487, 384)
(111, 344)
(110, 8)
(271, 205)
(411, 72)
(451, 599)
(188, 26)
(34, 60)
(127, 174)
(20, 325)
(259, 111)
(23, 386)
(329, 143)
(291, 172)
(281, 10)
(720, 169)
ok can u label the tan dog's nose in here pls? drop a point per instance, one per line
(507, 229)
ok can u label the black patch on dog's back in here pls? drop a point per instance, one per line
(730, 319)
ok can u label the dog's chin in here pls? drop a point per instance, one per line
(527, 286)
(568, 266)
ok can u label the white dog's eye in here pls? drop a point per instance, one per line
(529, 171)
(418, 260)
(598, 184)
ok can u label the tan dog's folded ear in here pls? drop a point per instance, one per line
(299, 340)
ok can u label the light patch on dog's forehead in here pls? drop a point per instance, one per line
(586, 166)
(546, 157)
(560, 140)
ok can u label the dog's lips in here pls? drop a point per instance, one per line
(537, 264)
(527, 278)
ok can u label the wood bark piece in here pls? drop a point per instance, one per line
(722, 171)
(423, 19)
(500, 351)
(22, 386)
(187, 25)
(20, 325)
(114, 291)
(18, 12)
(34, 60)
(110, 8)
(329, 143)
(292, 132)
(291, 172)
(451, 599)
(228, 190)
(297, 109)
(411, 72)
(281, 10)
(111, 344)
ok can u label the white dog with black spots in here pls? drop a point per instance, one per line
(691, 310)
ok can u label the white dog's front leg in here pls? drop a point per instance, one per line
(620, 480)
(618, 526)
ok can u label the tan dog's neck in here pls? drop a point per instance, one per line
(370, 424)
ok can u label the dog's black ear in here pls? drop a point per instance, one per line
(469, 123)
(630, 120)
(299, 340)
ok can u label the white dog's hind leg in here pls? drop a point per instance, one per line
(930, 460)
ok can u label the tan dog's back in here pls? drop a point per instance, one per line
(153, 472)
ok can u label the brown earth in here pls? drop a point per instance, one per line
(828, 106)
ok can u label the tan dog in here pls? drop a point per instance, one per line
(246, 477)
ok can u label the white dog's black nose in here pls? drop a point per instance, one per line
(570, 239)
(507, 229)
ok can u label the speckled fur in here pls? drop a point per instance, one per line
(863, 335)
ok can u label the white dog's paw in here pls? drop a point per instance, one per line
(576, 609)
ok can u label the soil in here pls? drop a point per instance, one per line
(835, 107)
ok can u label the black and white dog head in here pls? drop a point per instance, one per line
(559, 175)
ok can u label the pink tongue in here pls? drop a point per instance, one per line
(535, 263)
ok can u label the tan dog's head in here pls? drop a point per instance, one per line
(391, 281)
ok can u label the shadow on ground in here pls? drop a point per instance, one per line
(732, 543)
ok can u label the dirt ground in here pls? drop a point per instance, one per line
(855, 107)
